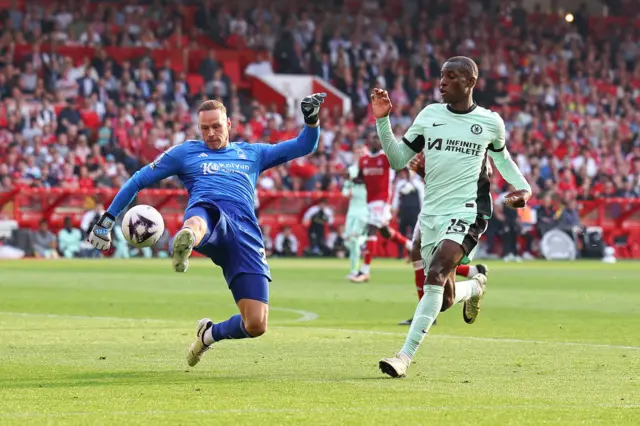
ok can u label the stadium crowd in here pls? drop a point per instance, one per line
(568, 93)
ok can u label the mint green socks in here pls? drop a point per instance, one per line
(426, 313)
(354, 254)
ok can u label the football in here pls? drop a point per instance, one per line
(142, 226)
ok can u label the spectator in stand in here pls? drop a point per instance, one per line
(511, 231)
(286, 243)
(546, 216)
(336, 243)
(260, 66)
(569, 219)
(44, 242)
(316, 219)
(407, 203)
(266, 239)
(69, 240)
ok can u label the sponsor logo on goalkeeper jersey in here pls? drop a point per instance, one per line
(211, 168)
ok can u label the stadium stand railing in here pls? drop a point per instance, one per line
(618, 217)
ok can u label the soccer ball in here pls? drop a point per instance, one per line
(142, 226)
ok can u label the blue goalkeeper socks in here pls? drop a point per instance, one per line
(233, 328)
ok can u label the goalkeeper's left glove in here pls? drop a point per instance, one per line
(100, 235)
(311, 107)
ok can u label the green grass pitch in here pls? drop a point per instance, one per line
(104, 342)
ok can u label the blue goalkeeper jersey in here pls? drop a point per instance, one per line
(228, 174)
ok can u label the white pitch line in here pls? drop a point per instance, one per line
(484, 339)
(306, 316)
(433, 408)
(84, 317)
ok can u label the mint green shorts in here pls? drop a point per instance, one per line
(465, 229)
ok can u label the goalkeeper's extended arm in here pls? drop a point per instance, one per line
(399, 154)
(164, 166)
(509, 170)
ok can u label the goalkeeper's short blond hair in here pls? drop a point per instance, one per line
(212, 105)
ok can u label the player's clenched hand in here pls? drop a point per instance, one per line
(381, 103)
(417, 165)
(311, 107)
(100, 235)
(517, 199)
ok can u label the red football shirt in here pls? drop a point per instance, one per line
(376, 171)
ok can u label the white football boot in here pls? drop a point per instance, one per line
(182, 246)
(471, 307)
(396, 366)
(198, 347)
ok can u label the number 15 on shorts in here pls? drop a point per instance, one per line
(458, 226)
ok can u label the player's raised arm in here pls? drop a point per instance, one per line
(508, 169)
(305, 143)
(169, 163)
(399, 154)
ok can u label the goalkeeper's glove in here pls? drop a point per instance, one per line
(311, 107)
(100, 235)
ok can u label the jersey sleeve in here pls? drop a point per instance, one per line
(503, 161)
(414, 136)
(167, 164)
(273, 155)
(499, 141)
(399, 154)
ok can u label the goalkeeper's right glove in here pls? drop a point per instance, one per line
(100, 235)
(311, 107)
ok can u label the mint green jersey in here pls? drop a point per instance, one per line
(455, 151)
(358, 193)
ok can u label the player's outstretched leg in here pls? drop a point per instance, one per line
(470, 271)
(182, 246)
(372, 242)
(353, 244)
(185, 240)
(443, 265)
(251, 292)
(471, 293)
(396, 236)
(418, 267)
(199, 347)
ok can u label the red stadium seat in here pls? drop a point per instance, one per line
(196, 83)
(90, 119)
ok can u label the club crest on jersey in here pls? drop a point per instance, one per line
(241, 154)
(476, 129)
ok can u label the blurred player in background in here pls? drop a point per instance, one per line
(220, 220)
(456, 137)
(468, 271)
(376, 174)
(357, 213)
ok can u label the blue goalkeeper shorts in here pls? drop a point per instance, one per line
(233, 241)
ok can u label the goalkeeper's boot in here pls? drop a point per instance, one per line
(395, 366)
(471, 307)
(182, 247)
(198, 347)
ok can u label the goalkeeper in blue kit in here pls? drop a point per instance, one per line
(219, 221)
